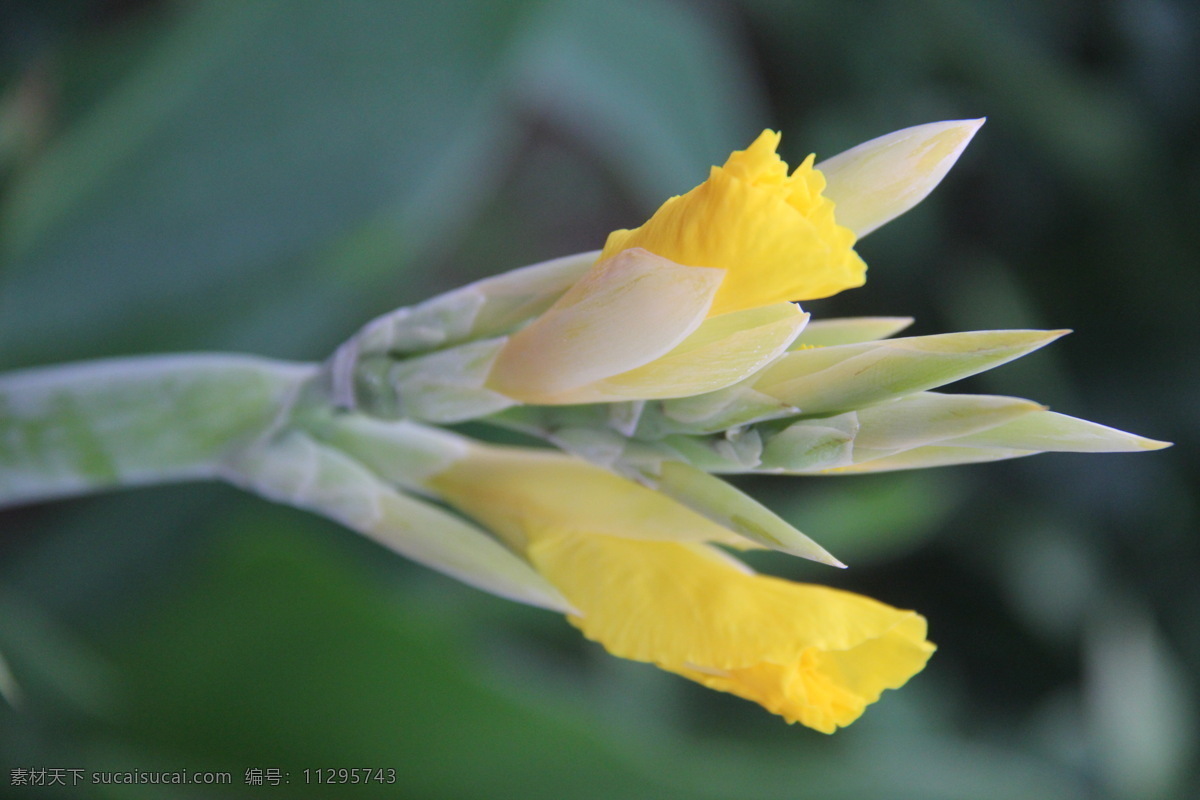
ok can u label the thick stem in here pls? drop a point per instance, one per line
(78, 428)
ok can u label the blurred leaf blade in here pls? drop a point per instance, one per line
(251, 137)
(660, 108)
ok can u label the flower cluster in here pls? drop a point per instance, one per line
(675, 354)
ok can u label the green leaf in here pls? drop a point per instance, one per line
(657, 89)
(215, 193)
(1141, 712)
(321, 663)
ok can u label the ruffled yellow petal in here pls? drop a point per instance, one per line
(811, 654)
(774, 233)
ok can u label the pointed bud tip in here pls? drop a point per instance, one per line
(879, 180)
(817, 554)
(1052, 336)
(1032, 335)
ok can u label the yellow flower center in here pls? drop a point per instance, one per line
(773, 233)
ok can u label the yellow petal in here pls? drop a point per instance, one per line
(625, 312)
(774, 233)
(721, 352)
(512, 490)
(812, 654)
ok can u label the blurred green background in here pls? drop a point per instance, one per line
(266, 176)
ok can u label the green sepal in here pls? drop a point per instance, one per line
(829, 380)
(849, 330)
(924, 458)
(298, 470)
(846, 377)
(490, 307)
(736, 450)
(915, 421)
(403, 453)
(1034, 430)
(446, 386)
(1048, 431)
(728, 506)
(712, 412)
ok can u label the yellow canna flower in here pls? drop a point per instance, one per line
(634, 327)
(643, 321)
(642, 581)
(773, 233)
(811, 654)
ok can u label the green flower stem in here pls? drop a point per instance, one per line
(78, 428)
(81, 428)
